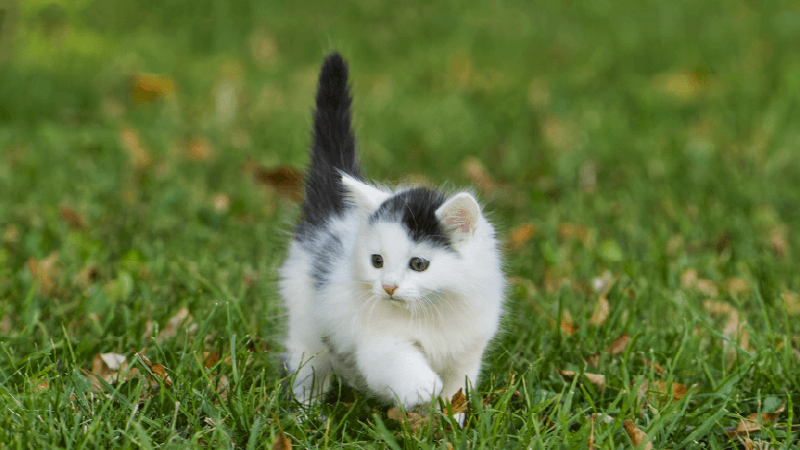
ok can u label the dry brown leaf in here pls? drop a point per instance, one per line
(558, 133)
(458, 403)
(778, 236)
(221, 203)
(792, 302)
(110, 367)
(596, 379)
(413, 420)
(176, 323)
(619, 344)
(199, 149)
(707, 288)
(281, 441)
(591, 433)
(521, 235)
(146, 87)
(656, 368)
(39, 385)
(689, 278)
(657, 391)
(477, 173)
(88, 275)
(737, 286)
(45, 271)
(750, 424)
(717, 308)
(210, 359)
(286, 180)
(682, 86)
(574, 231)
(567, 326)
(156, 369)
(638, 437)
(138, 153)
(448, 446)
(600, 313)
(71, 217)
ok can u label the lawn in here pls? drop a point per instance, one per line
(640, 159)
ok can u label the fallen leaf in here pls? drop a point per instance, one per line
(199, 149)
(600, 313)
(110, 367)
(458, 403)
(637, 436)
(792, 302)
(619, 344)
(146, 87)
(156, 369)
(45, 271)
(567, 326)
(596, 379)
(221, 203)
(176, 323)
(287, 181)
(521, 235)
(477, 173)
(130, 141)
(737, 286)
(707, 288)
(778, 236)
(281, 442)
(689, 279)
(657, 391)
(574, 231)
(560, 134)
(591, 433)
(39, 385)
(413, 420)
(71, 217)
(88, 275)
(750, 424)
(263, 48)
(681, 86)
(656, 368)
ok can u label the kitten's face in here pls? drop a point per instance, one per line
(399, 270)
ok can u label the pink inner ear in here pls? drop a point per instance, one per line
(458, 220)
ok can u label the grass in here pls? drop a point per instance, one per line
(656, 142)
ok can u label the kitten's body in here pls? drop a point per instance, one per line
(385, 326)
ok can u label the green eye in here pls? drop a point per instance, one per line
(377, 261)
(418, 264)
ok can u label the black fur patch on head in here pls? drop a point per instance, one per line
(415, 209)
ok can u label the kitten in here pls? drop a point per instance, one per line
(399, 291)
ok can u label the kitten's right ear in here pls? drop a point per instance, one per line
(460, 215)
(363, 196)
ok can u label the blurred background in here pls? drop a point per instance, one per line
(140, 132)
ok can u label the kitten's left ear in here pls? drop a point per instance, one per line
(363, 196)
(460, 214)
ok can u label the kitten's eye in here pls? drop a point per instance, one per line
(377, 261)
(418, 264)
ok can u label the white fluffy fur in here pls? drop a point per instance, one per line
(428, 339)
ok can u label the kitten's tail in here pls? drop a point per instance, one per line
(333, 146)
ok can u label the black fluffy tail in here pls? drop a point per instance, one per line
(333, 147)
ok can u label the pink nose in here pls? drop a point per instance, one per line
(390, 288)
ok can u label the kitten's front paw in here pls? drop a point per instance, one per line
(419, 391)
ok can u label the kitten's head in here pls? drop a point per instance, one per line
(410, 244)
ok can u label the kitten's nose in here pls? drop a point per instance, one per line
(389, 288)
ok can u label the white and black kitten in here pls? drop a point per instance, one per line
(397, 291)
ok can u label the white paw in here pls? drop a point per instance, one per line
(419, 391)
